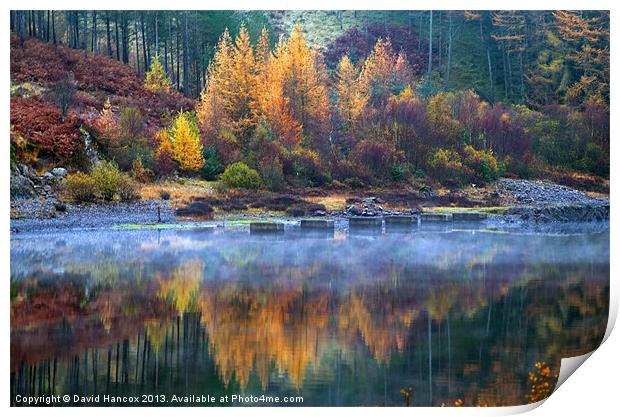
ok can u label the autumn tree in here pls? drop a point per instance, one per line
(586, 43)
(304, 84)
(384, 72)
(187, 149)
(164, 155)
(271, 105)
(351, 98)
(227, 101)
(156, 80)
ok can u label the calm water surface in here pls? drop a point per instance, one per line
(344, 319)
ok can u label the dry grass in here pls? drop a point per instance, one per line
(331, 202)
(181, 192)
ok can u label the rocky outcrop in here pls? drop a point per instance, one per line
(22, 185)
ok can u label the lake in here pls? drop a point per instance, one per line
(340, 319)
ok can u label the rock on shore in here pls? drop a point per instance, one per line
(544, 201)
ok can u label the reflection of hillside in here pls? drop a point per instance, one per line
(296, 323)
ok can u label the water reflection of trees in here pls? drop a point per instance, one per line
(470, 332)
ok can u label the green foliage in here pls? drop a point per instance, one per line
(212, 167)
(446, 165)
(105, 182)
(398, 173)
(595, 161)
(156, 80)
(106, 175)
(239, 175)
(13, 155)
(307, 167)
(81, 188)
(482, 163)
(131, 122)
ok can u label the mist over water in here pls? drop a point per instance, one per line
(340, 319)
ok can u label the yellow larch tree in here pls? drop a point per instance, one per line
(270, 105)
(186, 145)
(351, 98)
(212, 108)
(304, 81)
(243, 83)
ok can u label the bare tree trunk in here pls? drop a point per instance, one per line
(94, 33)
(178, 35)
(125, 38)
(430, 45)
(172, 73)
(107, 31)
(505, 75)
(439, 48)
(84, 43)
(135, 25)
(53, 29)
(47, 28)
(420, 30)
(166, 55)
(449, 63)
(409, 22)
(156, 35)
(484, 46)
(185, 54)
(146, 59)
(522, 75)
(118, 49)
(76, 32)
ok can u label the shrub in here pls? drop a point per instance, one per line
(398, 173)
(595, 160)
(44, 128)
(375, 158)
(212, 167)
(127, 188)
(62, 93)
(306, 167)
(239, 175)
(81, 187)
(139, 172)
(446, 165)
(106, 176)
(343, 169)
(273, 178)
(130, 122)
(482, 163)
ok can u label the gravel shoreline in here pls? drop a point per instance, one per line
(530, 202)
(93, 216)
